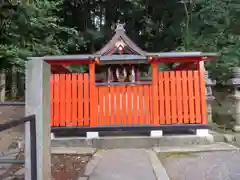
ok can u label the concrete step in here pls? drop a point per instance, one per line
(131, 141)
(218, 146)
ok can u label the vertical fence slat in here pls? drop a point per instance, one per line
(92, 96)
(161, 98)
(97, 115)
(203, 102)
(197, 97)
(57, 99)
(167, 97)
(150, 106)
(141, 109)
(118, 107)
(135, 105)
(155, 94)
(74, 100)
(185, 97)
(52, 101)
(86, 111)
(112, 105)
(54, 120)
(124, 109)
(80, 99)
(62, 103)
(173, 97)
(179, 97)
(101, 105)
(146, 104)
(68, 100)
(190, 97)
(107, 106)
(129, 105)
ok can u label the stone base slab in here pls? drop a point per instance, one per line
(236, 128)
(131, 142)
(220, 146)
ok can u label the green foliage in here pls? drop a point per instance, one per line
(78, 68)
(212, 28)
(153, 25)
(75, 27)
(34, 30)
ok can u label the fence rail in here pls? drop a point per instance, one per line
(12, 103)
(13, 123)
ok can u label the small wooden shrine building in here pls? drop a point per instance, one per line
(114, 94)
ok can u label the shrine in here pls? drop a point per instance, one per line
(126, 69)
(116, 95)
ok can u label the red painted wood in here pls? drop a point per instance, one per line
(179, 96)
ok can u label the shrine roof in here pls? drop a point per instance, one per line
(168, 56)
(122, 49)
(117, 57)
(120, 40)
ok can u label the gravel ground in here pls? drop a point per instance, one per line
(9, 138)
(204, 166)
(68, 167)
(64, 167)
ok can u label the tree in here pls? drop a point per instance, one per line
(33, 30)
(76, 27)
(211, 25)
(153, 25)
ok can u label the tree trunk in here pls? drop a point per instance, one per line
(14, 84)
(2, 85)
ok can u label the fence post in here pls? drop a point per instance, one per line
(93, 105)
(155, 94)
(156, 120)
(33, 148)
(38, 103)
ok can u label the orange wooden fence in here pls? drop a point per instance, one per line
(181, 98)
(175, 98)
(70, 100)
(125, 105)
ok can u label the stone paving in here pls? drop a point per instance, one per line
(218, 146)
(119, 164)
(223, 165)
(10, 154)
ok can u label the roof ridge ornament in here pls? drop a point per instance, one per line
(120, 27)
